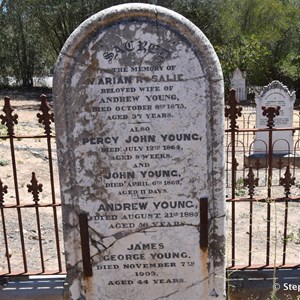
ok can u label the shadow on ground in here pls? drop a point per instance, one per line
(263, 284)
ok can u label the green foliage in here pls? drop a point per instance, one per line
(4, 162)
(240, 190)
(3, 129)
(293, 237)
(260, 37)
(290, 66)
(22, 54)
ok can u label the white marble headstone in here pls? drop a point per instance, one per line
(273, 95)
(238, 82)
(138, 93)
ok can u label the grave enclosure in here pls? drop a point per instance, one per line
(138, 94)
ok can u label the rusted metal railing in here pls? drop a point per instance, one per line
(262, 197)
(38, 247)
(260, 183)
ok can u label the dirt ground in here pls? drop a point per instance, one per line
(260, 209)
(32, 156)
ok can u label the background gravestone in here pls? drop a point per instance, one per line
(238, 82)
(138, 94)
(273, 95)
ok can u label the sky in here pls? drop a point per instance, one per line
(4, 9)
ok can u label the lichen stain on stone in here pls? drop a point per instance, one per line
(91, 70)
(131, 47)
(216, 245)
(85, 184)
(88, 285)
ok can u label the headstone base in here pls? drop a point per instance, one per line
(278, 160)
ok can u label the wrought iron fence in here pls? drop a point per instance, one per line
(30, 228)
(262, 192)
(262, 196)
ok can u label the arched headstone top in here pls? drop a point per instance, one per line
(275, 84)
(138, 99)
(275, 95)
(115, 16)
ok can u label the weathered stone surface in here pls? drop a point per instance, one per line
(138, 94)
(273, 95)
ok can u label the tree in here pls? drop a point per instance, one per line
(260, 37)
(57, 19)
(22, 49)
(257, 38)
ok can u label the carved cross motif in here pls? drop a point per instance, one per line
(251, 182)
(9, 119)
(35, 188)
(232, 112)
(45, 118)
(270, 112)
(3, 190)
(287, 181)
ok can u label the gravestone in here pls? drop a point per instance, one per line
(138, 93)
(273, 95)
(238, 82)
